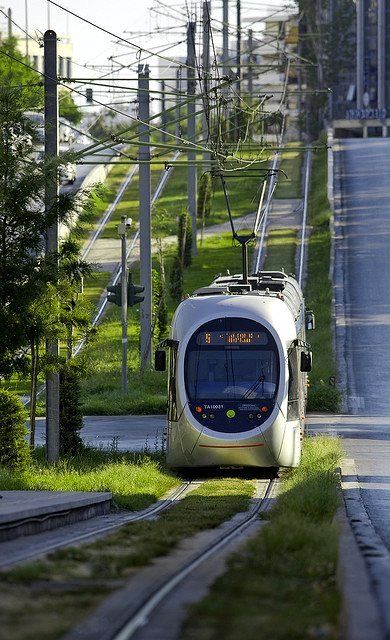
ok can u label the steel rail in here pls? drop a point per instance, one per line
(304, 216)
(103, 303)
(100, 530)
(153, 600)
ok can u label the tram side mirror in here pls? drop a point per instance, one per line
(160, 360)
(306, 362)
(310, 321)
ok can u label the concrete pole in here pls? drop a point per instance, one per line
(26, 24)
(359, 53)
(9, 22)
(145, 217)
(225, 37)
(250, 61)
(122, 235)
(381, 54)
(163, 116)
(191, 182)
(238, 50)
(51, 195)
(178, 100)
(206, 83)
(238, 117)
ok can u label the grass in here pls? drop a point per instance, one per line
(76, 579)
(281, 249)
(291, 163)
(282, 584)
(101, 393)
(135, 480)
(318, 292)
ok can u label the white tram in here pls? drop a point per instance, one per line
(237, 373)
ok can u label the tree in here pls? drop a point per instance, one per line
(14, 452)
(68, 108)
(185, 240)
(71, 414)
(176, 279)
(14, 74)
(204, 199)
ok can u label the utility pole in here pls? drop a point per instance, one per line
(191, 185)
(225, 37)
(51, 195)
(238, 117)
(178, 100)
(206, 83)
(122, 234)
(145, 216)
(250, 61)
(26, 23)
(9, 22)
(250, 73)
(163, 116)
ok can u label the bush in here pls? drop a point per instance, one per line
(185, 240)
(176, 279)
(323, 398)
(71, 415)
(14, 450)
(204, 196)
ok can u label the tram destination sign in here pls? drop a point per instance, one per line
(366, 114)
(224, 338)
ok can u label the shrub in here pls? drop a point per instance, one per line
(71, 415)
(176, 279)
(185, 240)
(14, 450)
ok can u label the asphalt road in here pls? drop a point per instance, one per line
(362, 274)
(134, 433)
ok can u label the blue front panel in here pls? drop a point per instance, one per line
(231, 374)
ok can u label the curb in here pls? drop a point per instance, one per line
(364, 566)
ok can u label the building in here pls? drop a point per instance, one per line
(34, 51)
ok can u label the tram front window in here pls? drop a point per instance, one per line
(231, 359)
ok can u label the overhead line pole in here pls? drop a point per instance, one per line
(51, 252)
(206, 71)
(145, 217)
(191, 186)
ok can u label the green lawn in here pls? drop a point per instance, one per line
(318, 292)
(282, 585)
(281, 249)
(147, 392)
(135, 480)
(291, 164)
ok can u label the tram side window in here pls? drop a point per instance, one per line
(293, 386)
(172, 406)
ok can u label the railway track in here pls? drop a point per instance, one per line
(301, 249)
(28, 548)
(145, 600)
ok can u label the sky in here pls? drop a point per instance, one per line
(123, 18)
(91, 45)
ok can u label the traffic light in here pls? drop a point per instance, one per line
(88, 95)
(115, 293)
(132, 290)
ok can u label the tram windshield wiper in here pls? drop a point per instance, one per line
(259, 380)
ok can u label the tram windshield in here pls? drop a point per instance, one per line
(231, 359)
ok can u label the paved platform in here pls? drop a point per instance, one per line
(28, 512)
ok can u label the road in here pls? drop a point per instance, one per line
(135, 433)
(362, 274)
(361, 277)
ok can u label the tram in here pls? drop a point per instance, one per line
(237, 373)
